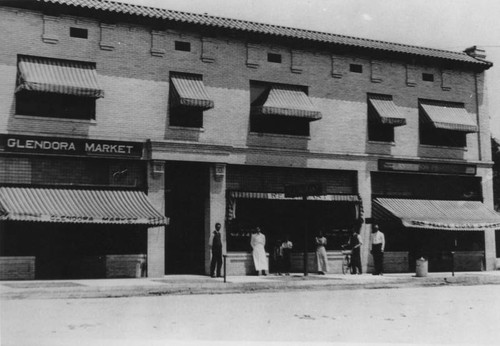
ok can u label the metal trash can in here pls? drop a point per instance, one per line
(421, 268)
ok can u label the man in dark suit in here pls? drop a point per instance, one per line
(216, 246)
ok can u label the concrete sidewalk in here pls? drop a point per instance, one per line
(198, 284)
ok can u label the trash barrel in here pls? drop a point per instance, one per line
(421, 268)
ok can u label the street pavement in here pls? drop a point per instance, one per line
(199, 284)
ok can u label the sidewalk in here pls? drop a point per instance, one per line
(198, 284)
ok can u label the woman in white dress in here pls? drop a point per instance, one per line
(258, 242)
(321, 254)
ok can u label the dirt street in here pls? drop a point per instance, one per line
(438, 315)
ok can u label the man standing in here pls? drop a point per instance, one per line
(377, 250)
(216, 246)
(258, 243)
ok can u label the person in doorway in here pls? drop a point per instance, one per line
(377, 245)
(216, 247)
(355, 246)
(278, 257)
(321, 258)
(286, 252)
(258, 243)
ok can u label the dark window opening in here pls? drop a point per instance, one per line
(278, 124)
(183, 46)
(78, 32)
(440, 137)
(55, 105)
(186, 117)
(356, 68)
(272, 57)
(427, 77)
(376, 130)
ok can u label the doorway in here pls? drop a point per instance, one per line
(186, 191)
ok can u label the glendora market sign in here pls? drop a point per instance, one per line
(67, 146)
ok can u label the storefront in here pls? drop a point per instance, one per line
(255, 197)
(434, 211)
(73, 208)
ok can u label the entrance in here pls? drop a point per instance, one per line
(186, 190)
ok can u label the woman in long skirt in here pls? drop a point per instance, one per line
(321, 254)
(258, 242)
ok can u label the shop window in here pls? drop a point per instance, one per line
(188, 99)
(78, 32)
(280, 109)
(56, 88)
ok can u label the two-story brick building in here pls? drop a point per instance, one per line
(127, 132)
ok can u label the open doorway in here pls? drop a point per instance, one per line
(186, 190)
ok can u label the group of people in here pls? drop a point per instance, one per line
(283, 249)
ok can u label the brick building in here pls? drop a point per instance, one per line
(127, 132)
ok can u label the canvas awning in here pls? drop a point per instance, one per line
(385, 111)
(281, 196)
(58, 76)
(436, 214)
(448, 116)
(78, 206)
(288, 101)
(189, 90)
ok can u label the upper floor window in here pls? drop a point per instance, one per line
(356, 68)
(383, 116)
(183, 46)
(78, 32)
(281, 109)
(188, 98)
(427, 77)
(56, 88)
(444, 123)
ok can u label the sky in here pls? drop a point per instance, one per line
(443, 24)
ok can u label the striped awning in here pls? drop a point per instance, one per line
(436, 214)
(448, 116)
(78, 206)
(189, 90)
(386, 111)
(58, 76)
(281, 196)
(288, 101)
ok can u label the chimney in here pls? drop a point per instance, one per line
(475, 52)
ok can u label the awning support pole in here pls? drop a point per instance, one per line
(306, 236)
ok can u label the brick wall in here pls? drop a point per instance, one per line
(134, 66)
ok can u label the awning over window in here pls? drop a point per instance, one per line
(58, 76)
(189, 90)
(386, 111)
(288, 101)
(78, 206)
(448, 116)
(434, 214)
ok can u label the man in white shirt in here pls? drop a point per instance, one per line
(377, 245)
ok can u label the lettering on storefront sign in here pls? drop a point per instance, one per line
(304, 190)
(427, 167)
(28, 144)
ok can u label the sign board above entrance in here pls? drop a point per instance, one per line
(427, 167)
(304, 190)
(69, 146)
